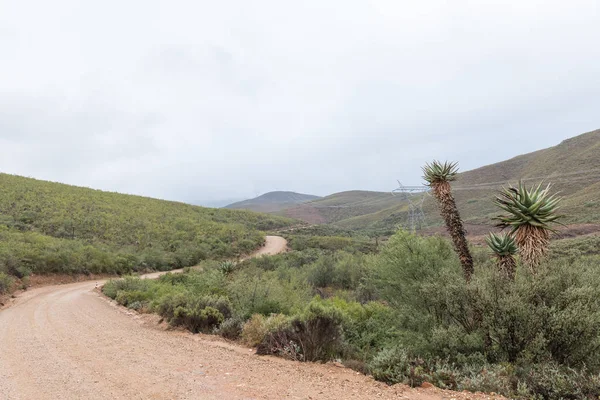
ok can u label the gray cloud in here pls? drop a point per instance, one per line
(207, 100)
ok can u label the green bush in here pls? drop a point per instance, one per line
(255, 291)
(406, 263)
(128, 284)
(367, 328)
(196, 313)
(340, 270)
(395, 365)
(291, 259)
(135, 299)
(6, 283)
(315, 335)
(321, 274)
(231, 328)
(552, 381)
(539, 381)
(209, 281)
(349, 244)
(197, 319)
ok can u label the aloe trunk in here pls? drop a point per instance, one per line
(454, 226)
(438, 177)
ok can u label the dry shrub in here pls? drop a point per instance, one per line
(257, 327)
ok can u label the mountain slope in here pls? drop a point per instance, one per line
(48, 227)
(273, 201)
(573, 167)
(343, 206)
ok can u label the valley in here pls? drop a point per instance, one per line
(298, 296)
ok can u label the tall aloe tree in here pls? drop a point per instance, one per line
(504, 248)
(530, 213)
(438, 176)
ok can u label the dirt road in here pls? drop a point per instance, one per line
(69, 342)
(273, 245)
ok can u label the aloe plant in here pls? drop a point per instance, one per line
(438, 176)
(227, 267)
(504, 248)
(530, 215)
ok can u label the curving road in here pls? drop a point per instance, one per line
(69, 342)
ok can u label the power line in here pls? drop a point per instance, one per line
(560, 178)
(594, 172)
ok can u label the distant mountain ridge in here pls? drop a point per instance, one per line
(273, 201)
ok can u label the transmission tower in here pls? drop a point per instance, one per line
(415, 196)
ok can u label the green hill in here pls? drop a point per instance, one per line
(272, 201)
(50, 227)
(573, 167)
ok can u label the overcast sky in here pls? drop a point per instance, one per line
(208, 100)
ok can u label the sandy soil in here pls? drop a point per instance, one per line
(70, 342)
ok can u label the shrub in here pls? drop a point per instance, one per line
(497, 378)
(231, 328)
(394, 365)
(397, 365)
(367, 328)
(322, 273)
(128, 284)
(135, 299)
(303, 242)
(313, 336)
(406, 263)
(340, 270)
(210, 281)
(197, 319)
(257, 327)
(253, 291)
(196, 313)
(552, 381)
(6, 283)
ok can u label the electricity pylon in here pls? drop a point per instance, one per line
(416, 216)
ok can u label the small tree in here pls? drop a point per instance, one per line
(504, 248)
(530, 213)
(438, 176)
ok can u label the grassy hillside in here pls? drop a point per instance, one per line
(49, 227)
(273, 201)
(573, 167)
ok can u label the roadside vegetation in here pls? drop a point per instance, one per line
(49, 228)
(404, 314)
